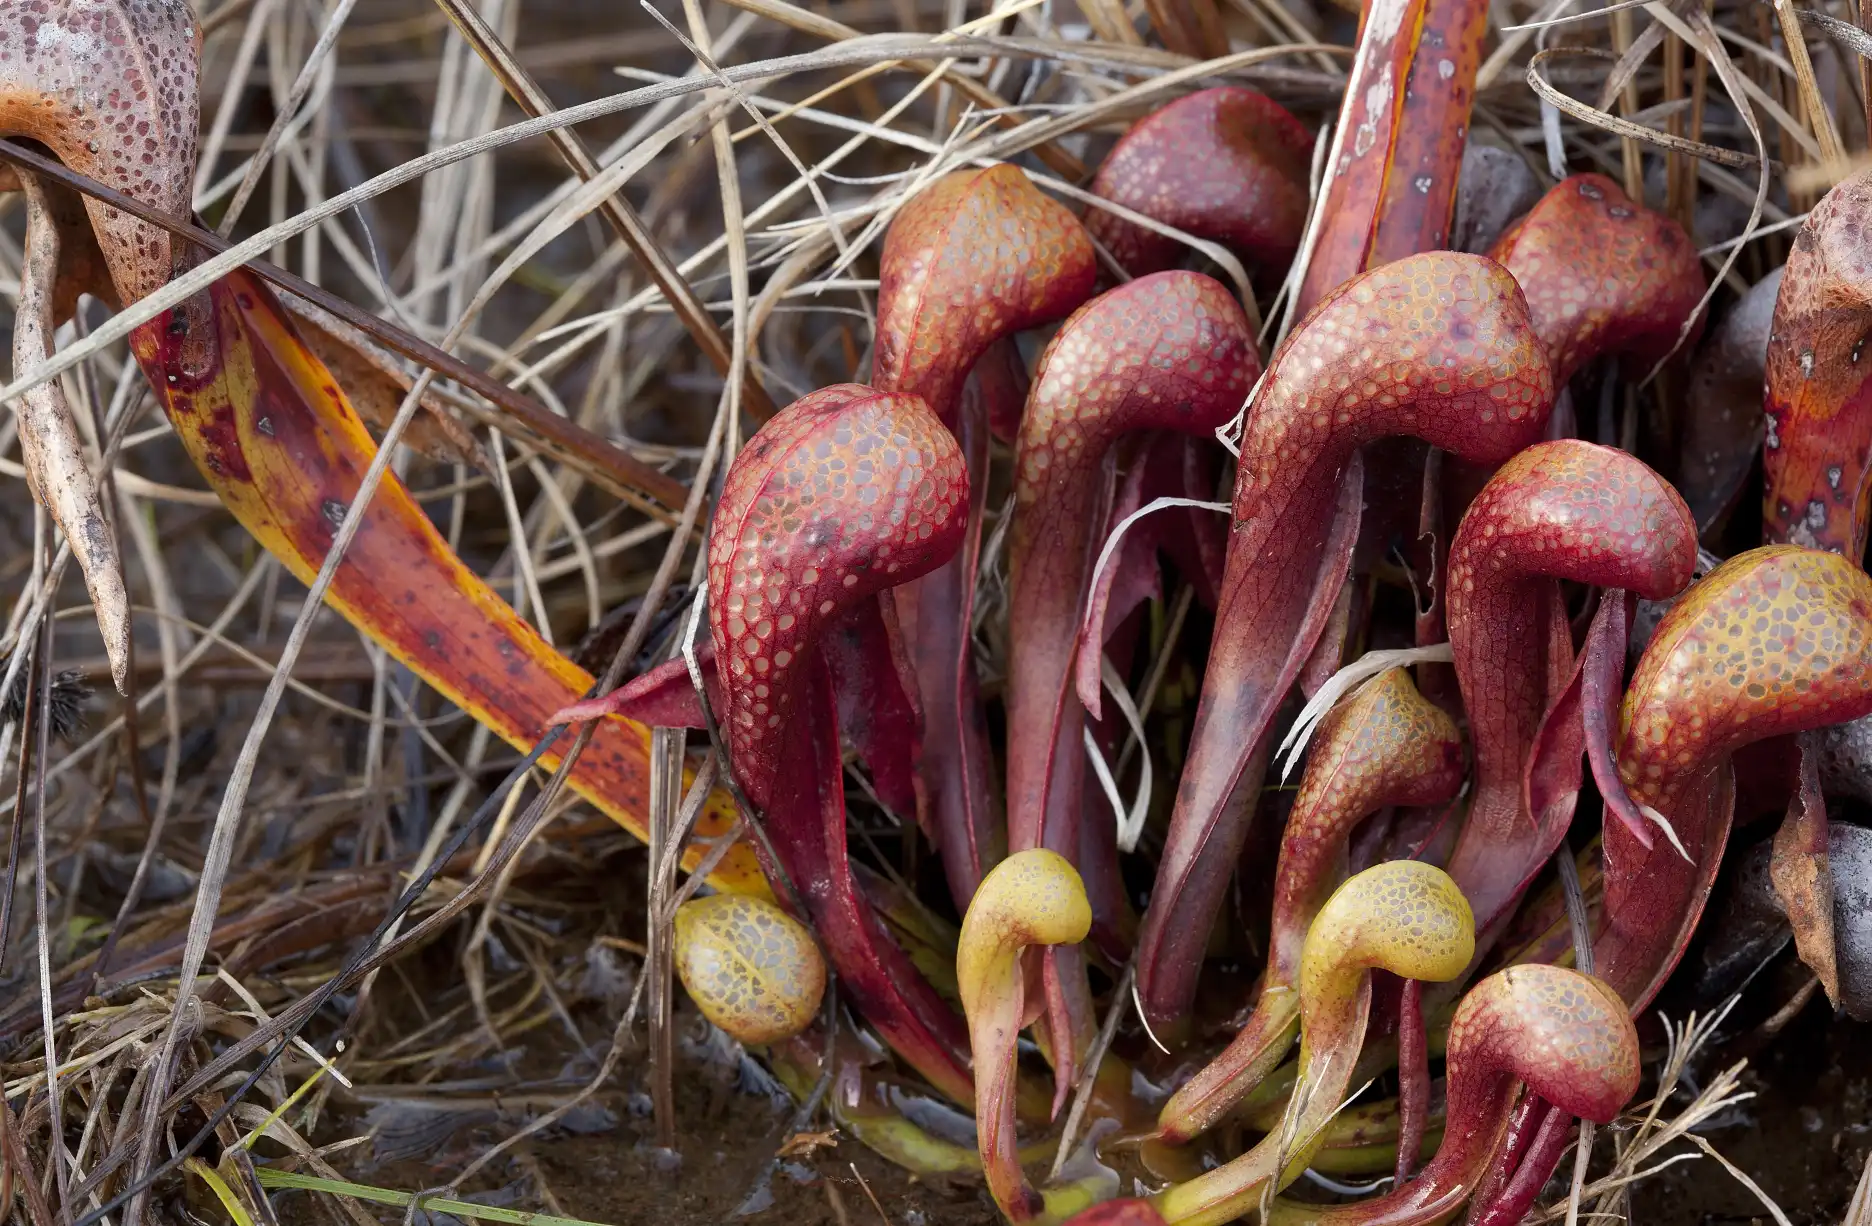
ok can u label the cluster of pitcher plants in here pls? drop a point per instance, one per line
(842, 572)
(1445, 751)
(843, 566)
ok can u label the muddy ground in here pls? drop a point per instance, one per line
(1804, 1138)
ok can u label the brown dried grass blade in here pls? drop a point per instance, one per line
(597, 458)
(630, 228)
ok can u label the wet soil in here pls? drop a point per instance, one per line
(1804, 1138)
(429, 1121)
(727, 1144)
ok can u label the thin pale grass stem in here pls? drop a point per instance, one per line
(232, 92)
(55, 1104)
(1088, 1076)
(308, 75)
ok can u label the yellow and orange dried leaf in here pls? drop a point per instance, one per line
(282, 447)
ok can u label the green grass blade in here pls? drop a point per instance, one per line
(270, 1178)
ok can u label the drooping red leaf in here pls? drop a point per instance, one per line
(974, 257)
(842, 495)
(1603, 275)
(1383, 746)
(1564, 1035)
(111, 89)
(1774, 641)
(1438, 346)
(278, 442)
(1226, 164)
(1817, 457)
(1561, 510)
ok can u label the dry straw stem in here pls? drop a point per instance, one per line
(600, 459)
(1059, 160)
(1818, 114)
(308, 76)
(521, 87)
(227, 821)
(1859, 1212)
(1697, 29)
(869, 49)
(1647, 1134)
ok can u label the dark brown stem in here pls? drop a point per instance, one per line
(1413, 1079)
